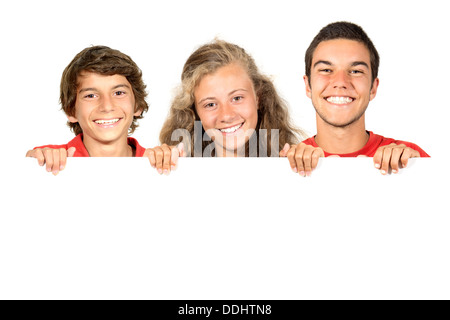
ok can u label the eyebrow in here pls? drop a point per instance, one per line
(234, 91)
(204, 99)
(328, 63)
(354, 64)
(231, 93)
(113, 88)
(360, 63)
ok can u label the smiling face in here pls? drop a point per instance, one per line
(104, 108)
(340, 85)
(227, 106)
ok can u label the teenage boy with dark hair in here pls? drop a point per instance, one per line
(341, 79)
(103, 95)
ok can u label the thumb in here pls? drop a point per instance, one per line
(285, 149)
(71, 151)
(180, 148)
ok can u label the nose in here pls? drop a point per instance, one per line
(106, 104)
(341, 80)
(227, 113)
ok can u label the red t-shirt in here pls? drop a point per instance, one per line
(375, 141)
(81, 151)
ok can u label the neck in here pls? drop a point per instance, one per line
(223, 152)
(341, 140)
(114, 149)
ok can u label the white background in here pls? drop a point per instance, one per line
(40, 38)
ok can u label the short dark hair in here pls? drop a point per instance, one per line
(343, 30)
(105, 61)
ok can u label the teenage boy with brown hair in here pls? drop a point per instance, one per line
(103, 95)
(341, 79)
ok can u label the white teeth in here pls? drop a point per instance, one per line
(339, 100)
(106, 121)
(232, 129)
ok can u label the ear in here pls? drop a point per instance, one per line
(373, 90)
(307, 86)
(72, 119)
(138, 113)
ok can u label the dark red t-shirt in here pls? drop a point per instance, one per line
(375, 141)
(81, 151)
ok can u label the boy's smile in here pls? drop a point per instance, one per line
(104, 108)
(340, 85)
(104, 123)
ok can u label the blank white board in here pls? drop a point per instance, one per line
(113, 228)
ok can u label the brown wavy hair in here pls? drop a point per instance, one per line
(272, 112)
(105, 61)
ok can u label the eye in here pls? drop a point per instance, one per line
(120, 93)
(356, 71)
(325, 70)
(90, 96)
(209, 105)
(238, 98)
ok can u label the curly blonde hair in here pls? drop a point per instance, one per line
(272, 112)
